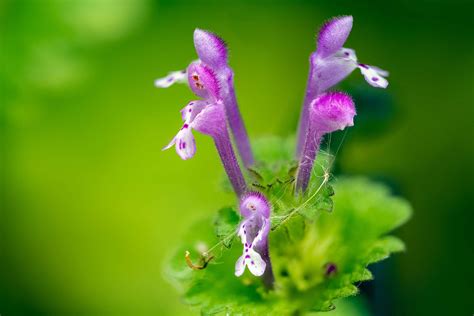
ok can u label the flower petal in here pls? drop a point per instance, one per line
(210, 48)
(330, 71)
(240, 266)
(203, 81)
(211, 120)
(189, 112)
(242, 233)
(173, 77)
(262, 233)
(332, 111)
(382, 72)
(172, 142)
(373, 77)
(333, 35)
(185, 143)
(255, 263)
(346, 53)
(254, 203)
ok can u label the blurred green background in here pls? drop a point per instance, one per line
(90, 206)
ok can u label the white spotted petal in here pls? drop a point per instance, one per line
(201, 116)
(171, 143)
(241, 233)
(382, 72)
(253, 261)
(240, 266)
(190, 111)
(332, 69)
(172, 78)
(374, 75)
(184, 143)
(250, 257)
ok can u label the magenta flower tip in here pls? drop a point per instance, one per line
(203, 81)
(254, 202)
(332, 111)
(329, 112)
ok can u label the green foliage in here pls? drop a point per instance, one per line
(317, 256)
(274, 174)
(225, 222)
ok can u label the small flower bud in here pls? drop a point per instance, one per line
(329, 112)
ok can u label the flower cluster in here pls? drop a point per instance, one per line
(329, 65)
(212, 80)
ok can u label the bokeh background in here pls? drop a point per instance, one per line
(90, 206)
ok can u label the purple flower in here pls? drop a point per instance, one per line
(329, 112)
(203, 82)
(209, 119)
(213, 63)
(253, 232)
(330, 64)
(184, 140)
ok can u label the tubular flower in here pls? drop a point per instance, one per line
(209, 119)
(330, 64)
(213, 61)
(204, 84)
(184, 140)
(329, 112)
(253, 232)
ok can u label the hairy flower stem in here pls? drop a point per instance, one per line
(304, 115)
(237, 127)
(231, 166)
(268, 278)
(311, 148)
(327, 113)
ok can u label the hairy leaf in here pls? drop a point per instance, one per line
(317, 257)
(225, 224)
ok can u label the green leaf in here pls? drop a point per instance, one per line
(225, 224)
(317, 256)
(350, 238)
(274, 174)
(322, 202)
(214, 288)
(383, 248)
